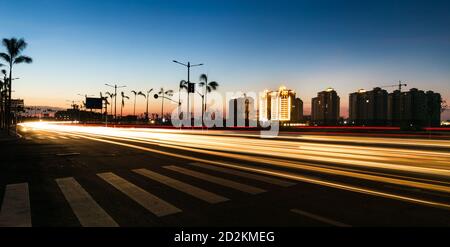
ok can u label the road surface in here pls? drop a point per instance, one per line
(64, 175)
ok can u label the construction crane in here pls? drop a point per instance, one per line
(399, 85)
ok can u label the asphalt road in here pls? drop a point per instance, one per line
(89, 176)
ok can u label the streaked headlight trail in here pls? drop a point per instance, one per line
(415, 163)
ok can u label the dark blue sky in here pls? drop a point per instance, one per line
(246, 45)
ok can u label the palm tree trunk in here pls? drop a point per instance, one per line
(146, 110)
(179, 99)
(8, 110)
(206, 100)
(162, 108)
(134, 110)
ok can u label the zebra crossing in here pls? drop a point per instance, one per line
(41, 137)
(16, 209)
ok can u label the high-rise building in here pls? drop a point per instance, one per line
(368, 107)
(414, 108)
(434, 102)
(394, 114)
(281, 105)
(242, 111)
(325, 108)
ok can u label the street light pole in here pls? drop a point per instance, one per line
(115, 97)
(188, 65)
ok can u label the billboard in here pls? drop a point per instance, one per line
(94, 103)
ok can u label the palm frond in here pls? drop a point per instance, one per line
(141, 93)
(202, 84)
(214, 85)
(203, 78)
(5, 57)
(23, 59)
(134, 92)
(183, 84)
(169, 92)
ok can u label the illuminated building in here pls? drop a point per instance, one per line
(368, 107)
(325, 108)
(280, 105)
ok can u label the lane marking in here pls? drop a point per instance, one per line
(266, 179)
(15, 211)
(63, 137)
(319, 218)
(51, 137)
(87, 210)
(183, 187)
(296, 177)
(68, 154)
(151, 202)
(221, 181)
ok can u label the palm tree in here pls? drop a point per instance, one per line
(209, 87)
(135, 95)
(183, 85)
(123, 102)
(163, 94)
(111, 95)
(14, 48)
(143, 95)
(146, 109)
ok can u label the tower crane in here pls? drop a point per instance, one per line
(399, 85)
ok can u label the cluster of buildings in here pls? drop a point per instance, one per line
(366, 108)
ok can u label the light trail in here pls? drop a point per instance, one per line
(424, 169)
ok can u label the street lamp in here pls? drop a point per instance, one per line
(190, 85)
(115, 97)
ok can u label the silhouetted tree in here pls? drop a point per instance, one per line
(209, 87)
(183, 85)
(111, 95)
(123, 102)
(163, 94)
(14, 48)
(2, 97)
(147, 97)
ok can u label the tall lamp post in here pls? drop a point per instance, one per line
(8, 105)
(115, 97)
(191, 88)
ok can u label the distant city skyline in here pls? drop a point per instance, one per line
(306, 46)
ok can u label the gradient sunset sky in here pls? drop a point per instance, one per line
(307, 46)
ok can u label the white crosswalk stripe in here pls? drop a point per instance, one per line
(266, 179)
(15, 210)
(149, 201)
(217, 180)
(88, 212)
(183, 187)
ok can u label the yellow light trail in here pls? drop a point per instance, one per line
(416, 163)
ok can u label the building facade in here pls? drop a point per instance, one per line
(414, 108)
(281, 105)
(368, 107)
(325, 108)
(242, 112)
